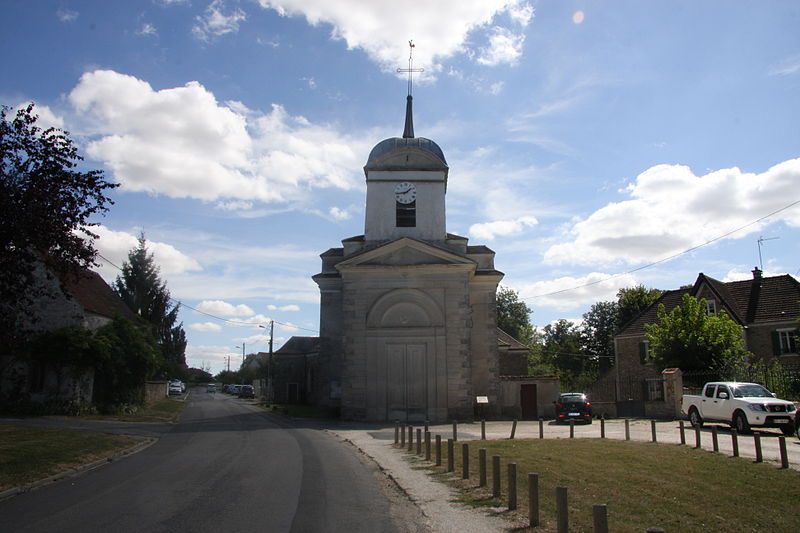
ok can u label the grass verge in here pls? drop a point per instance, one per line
(29, 453)
(166, 410)
(676, 488)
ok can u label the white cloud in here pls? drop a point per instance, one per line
(490, 230)
(671, 210)
(67, 15)
(569, 293)
(205, 326)
(496, 88)
(182, 143)
(215, 22)
(283, 307)
(115, 246)
(339, 214)
(786, 67)
(147, 29)
(439, 29)
(222, 308)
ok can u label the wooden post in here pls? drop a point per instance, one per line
(627, 429)
(438, 450)
(562, 510)
(403, 438)
(396, 431)
(513, 429)
(419, 441)
(653, 430)
(757, 442)
(451, 460)
(735, 442)
(427, 425)
(600, 517)
(541, 427)
(495, 476)
(697, 437)
(512, 486)
(410, 437)
(482, 467)
(782, 447)
(427, 445)
(464, 461)
(572, 429)
(483, 429)
(715, 438)
(533, 499)
(455, 431)
(602, 427)
(683, 432)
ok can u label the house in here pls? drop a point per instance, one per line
(768, 308)
(81, 299)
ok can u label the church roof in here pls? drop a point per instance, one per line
(380, 158)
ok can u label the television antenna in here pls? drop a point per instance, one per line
(761, 240)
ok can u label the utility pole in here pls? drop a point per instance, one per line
(269, 360)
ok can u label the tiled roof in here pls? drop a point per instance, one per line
(670, 299)
(95, 296)
(299, 346)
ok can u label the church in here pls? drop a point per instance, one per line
(407, 310)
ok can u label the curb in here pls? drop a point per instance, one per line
(78, 470)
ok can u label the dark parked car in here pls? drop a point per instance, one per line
(247, 391)
(573, 406)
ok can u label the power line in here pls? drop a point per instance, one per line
(665, 259)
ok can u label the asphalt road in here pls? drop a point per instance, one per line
(226, 466)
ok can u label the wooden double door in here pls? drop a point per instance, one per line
(407, 381)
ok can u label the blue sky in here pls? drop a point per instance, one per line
(586, 139)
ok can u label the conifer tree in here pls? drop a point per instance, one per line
(141, 288)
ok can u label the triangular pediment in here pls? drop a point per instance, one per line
(406, 252)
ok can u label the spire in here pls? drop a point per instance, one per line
(408, 130)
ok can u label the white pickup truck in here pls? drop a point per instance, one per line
(742, 405)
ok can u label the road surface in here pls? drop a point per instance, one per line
(226, 466)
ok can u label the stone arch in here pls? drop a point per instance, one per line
(404, 308)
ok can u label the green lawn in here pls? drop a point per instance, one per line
(676, 488)
(30, 453)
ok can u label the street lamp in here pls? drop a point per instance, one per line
(242, 347)
(269, 360)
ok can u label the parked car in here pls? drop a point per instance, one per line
(797, 423)
(573, 406)
(247, 391)
(741, 405)
(211, 388)
(175, 388)
(234, 389)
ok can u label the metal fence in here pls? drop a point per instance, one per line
(783, 381)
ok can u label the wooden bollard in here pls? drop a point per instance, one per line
(482, 467)
(451, 463)
(483, 429)
(541, 427)
(403, 438)
(512, 486)
(653, 430)
(715, 438)
(419, 441)
(682, 431)
(782, 448)
(455, 431)
(602, 427)
(562, 510)
(600, 517)
(438, 450)
(495, 476)
(627, 429)
(396, 431)
(757, 443)
(410, 437)
(697, 437)
(572, 429)
(427, 425)
(735, 442)
(464, 461)
(513, 429)
(427, 445)
(533, 500)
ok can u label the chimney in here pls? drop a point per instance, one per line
(756, 273)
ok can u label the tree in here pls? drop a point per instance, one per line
(562, 347)
(597, 334)
(47, 204)
(633, 300)
(513, 315)
(689, 338)
(146, 294)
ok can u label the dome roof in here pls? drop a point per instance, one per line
(417, 153)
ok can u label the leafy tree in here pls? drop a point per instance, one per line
(146, 294)
(562, 347)
(47, 204)
(689, 338)
(597, 334)
(198, 375)
(513, 315)
(633, 300)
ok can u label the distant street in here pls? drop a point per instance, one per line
(226, 466)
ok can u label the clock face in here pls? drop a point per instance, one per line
(405, 192)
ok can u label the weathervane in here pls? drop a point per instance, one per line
(410, 68)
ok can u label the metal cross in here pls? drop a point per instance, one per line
(410, 70)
